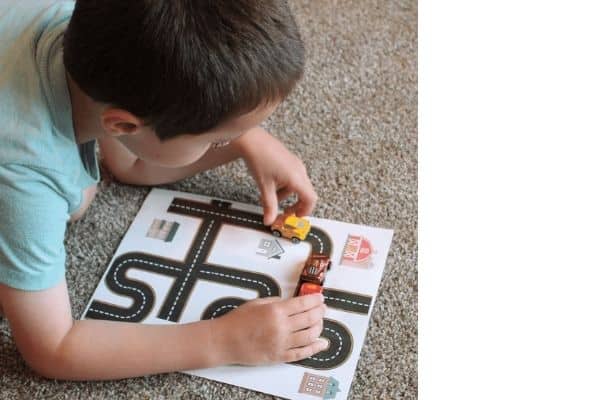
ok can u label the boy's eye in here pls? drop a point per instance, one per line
(216, 145)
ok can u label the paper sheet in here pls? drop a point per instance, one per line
(188, 257)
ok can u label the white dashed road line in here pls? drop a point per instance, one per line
(346, 301)
(319, 239)
(337, 353)
(222, 307)
(218, 214)
(191, 267)
(114, 276)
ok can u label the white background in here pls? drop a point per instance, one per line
(509, 162)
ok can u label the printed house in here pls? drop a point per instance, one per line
(357, 252)
(270, 248)
(319, 386)
(163, 230)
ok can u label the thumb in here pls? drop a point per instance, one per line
(269, 203)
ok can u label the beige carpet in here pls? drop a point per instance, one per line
(354, 122)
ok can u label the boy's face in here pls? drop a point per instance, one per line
(187, 148)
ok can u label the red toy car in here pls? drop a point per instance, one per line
(312, 277)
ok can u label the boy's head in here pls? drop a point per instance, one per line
(184, 66)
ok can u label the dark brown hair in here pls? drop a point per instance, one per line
(184, 66)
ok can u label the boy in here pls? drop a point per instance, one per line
(168, 88)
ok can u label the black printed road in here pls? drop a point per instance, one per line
(195, 267)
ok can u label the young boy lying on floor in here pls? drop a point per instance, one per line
(168, 88)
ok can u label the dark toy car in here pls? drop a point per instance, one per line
(312, 277)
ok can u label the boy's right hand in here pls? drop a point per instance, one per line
(277, 172)
(271, 330)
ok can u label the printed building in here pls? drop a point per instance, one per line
(319, 386)
(270, 248)
(163, 230)
(357, 252)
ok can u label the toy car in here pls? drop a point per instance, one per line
(312, 277)
(292, 227)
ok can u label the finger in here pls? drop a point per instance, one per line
(306, 336)
(300, 353)
(269, 203)
(300, 304)
(307, 319)
(307, 199)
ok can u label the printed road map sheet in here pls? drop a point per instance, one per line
(188, 257)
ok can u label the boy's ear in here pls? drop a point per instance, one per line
(117, 122)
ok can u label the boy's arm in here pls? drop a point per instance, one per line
(55, 346)
(129, 169)
(277, 172)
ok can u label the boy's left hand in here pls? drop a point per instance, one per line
(277, 172)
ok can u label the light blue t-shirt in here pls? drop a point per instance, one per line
(43, 171)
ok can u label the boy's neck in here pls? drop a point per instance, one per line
(86, 114)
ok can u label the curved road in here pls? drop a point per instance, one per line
(194, 268)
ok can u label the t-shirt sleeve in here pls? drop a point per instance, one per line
(33, 219)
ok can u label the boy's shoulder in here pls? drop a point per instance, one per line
(32, 78)
(22, 21)
(35, 108)
(40, 165)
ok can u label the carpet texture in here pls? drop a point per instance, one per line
(353, 120)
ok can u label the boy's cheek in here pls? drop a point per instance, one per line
(185, 159)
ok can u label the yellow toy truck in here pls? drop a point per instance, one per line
(292, 227)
